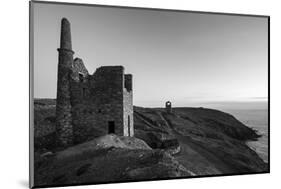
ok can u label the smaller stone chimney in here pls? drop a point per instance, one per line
(168, 107)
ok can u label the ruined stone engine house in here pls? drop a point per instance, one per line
(90, 105)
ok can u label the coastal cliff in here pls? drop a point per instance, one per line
(187, 142)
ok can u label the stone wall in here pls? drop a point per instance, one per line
(82, 114)
(128, 106)
(107, 96)
(99, 99)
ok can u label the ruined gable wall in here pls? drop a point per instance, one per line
(83, 117)
(78, 66)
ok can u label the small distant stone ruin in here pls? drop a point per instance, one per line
(168, 105)
(90, 105)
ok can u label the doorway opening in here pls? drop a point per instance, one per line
(111, 127)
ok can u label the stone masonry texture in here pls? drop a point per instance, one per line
(90, 105)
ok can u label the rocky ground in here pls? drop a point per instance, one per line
(188, 142)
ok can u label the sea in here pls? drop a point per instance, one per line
(258, 120)
(253, 114)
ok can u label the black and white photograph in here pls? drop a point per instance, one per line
(124, 94)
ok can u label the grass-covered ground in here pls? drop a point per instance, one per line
(187, 142)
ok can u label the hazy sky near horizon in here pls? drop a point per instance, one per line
(183, 57)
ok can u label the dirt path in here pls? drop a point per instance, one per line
(144, 120)
(196, 157)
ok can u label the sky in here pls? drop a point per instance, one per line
(185, 57)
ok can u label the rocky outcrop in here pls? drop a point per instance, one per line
(106, 159)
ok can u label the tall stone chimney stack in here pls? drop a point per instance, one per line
(63, 107)
(65, 36)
